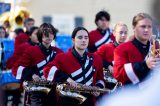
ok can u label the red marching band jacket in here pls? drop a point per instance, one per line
(91, 74)
(20, 39)
(18, 52)
(33, 61)
(106, 51)
(129, 62)
(96, 39)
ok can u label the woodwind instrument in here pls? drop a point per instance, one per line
(66, 90)
(41, 86)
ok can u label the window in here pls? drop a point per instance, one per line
(78, 21)
(47, 19)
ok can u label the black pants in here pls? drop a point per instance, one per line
(68, 101)
(2, 97)
(26, 98)
(16, 95)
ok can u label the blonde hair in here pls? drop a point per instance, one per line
(119, 24)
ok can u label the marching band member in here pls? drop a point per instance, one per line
(79, 65)
(2, 32)
(32, 41)
(131, 64)
(2, 36)
(103, 34)
(30, 65)
(23, 37)
(106, 51)
(18, 52)
(6, 78)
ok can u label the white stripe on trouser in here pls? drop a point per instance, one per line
(52, 73)
(130, 73)
(19, 72)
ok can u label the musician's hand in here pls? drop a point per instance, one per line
(36, 77)
(157, 62)
(110, 68)
(151, 62)
(95, 93)
(72, 82)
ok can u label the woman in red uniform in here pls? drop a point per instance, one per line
(30, 65)
(106, 50)
(81, 66)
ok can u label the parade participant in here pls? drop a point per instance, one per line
(131, 63)
(6, 50)
(103, 34)
(2, 32)
(2, 96)
(2, 37)
(81, 66)
(32, 41)
(29, 66)
(15, 33)
(23, 37)
(18, 52)
(106, 50)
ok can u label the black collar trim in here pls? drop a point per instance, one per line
(32, 43)
(144, 49)
(45, 50)
(115, 44)
(82, 59)
(103, 32)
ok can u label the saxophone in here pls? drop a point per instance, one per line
(41, 86)
(67, 90)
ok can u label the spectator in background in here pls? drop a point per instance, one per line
(7, 26)
(2, 32)
(2, 36)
